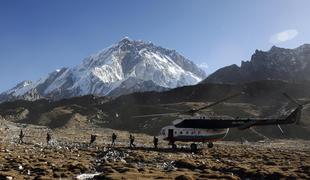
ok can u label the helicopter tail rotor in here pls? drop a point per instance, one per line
(296, 115)
(280, 129)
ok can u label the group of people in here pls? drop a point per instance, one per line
(92, 139)
(131, 140)
(22, 135)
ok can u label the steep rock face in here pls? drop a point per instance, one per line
(132, 85)
(127, 66)
(275, 64)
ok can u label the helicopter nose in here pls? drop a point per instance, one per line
(162, 131)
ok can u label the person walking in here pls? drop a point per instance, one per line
(92, 139)
(155, 141)
(21, 137)
(113, 139)
(131, 141)
(48, 138)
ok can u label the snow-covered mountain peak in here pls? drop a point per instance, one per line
(24, 84)
(130, 61)
(125, 40)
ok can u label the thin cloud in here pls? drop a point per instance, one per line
(283, 36)
(203, 65)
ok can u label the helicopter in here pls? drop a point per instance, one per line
(208, 129)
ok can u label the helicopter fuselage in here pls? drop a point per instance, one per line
(173, 134)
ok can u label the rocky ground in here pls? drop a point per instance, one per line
(69, 157)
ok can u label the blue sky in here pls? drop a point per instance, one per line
(39, 36)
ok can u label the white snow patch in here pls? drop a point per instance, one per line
(87, 176)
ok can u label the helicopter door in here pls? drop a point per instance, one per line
(170, 133)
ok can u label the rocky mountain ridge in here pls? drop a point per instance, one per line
(276, 64)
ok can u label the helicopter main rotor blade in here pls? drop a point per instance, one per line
(291, 99)
(162, 108)
(192, 111)
(305, 103)
(155, 115)
(215, 103)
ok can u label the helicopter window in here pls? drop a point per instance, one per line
(181, 132)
